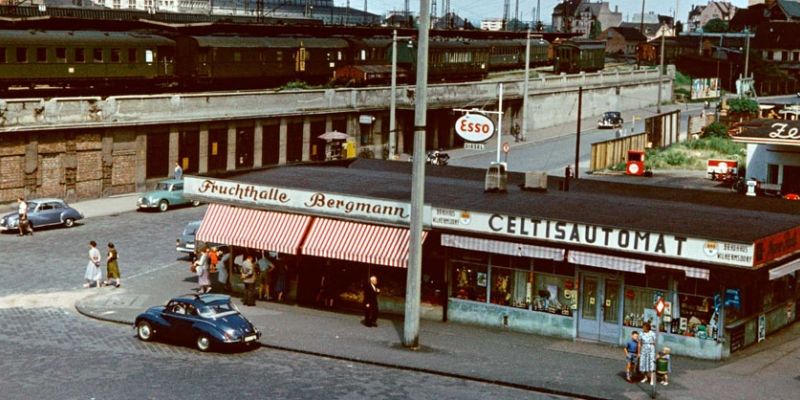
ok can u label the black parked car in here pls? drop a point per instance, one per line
(207, 320)
(610, 119)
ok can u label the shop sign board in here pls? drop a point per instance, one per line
(474, 127)
(777, 246)
(296, 200)
(610, 238)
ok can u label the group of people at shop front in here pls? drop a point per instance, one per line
(263, 278)
(642, 349)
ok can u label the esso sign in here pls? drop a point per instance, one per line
(475, 128)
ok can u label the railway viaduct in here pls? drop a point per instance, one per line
(86, 147)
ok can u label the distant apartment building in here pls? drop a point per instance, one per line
(491, 24)
(577, 16)
(700, 15)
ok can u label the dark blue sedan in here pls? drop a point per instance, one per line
(206, 320)
(43, 212)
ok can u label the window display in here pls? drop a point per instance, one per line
(469, 281)
(555, 294)
(511, 287)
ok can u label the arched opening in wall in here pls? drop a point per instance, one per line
(294, 142)
(188, 150)
(158, 164)
(270, 154)
(217, 149)
(245, 140)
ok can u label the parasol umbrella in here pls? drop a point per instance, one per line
(334, 135)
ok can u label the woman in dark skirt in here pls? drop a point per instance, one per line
(112, 265)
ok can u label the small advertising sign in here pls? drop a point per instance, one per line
(474, 127)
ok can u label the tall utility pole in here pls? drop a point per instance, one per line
(347, 14)
(578, 133)
(506, 6)
(641, 20)
(660, 73)
(393, 99)
(746, 51)
(516, 15)
(433, 9)
(365, 12)
(407, 9)
(538, 11)
(414, 273)
(525, 87)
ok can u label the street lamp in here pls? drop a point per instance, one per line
(393, 98)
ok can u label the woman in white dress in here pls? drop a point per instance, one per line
(93, 270)
(647, 354)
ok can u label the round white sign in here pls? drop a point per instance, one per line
(475, 128)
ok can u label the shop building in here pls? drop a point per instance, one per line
(586, 263)
(773, 152)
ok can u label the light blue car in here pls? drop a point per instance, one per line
(43, 212)
(166, 194)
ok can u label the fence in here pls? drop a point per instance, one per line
(612, 152)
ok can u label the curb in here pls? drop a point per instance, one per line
(79, 307)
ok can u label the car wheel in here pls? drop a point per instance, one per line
(195, 203)
(144, 331)
(163, 205)
(203, 343)
(69, 222)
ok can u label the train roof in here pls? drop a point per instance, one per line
(584, 44)
(86, 38)
(535, 41)
(270, 42)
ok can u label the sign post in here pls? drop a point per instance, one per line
(475, 127)
(506, 149)
(659, 306)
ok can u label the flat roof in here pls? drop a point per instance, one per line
(682, 212)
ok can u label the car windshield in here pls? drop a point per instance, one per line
(217, 310)
(191, 229)
(612, 114)
(32, 205)
(162, 186)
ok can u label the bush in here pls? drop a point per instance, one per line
(742, 105)
(295, 85)
(715, 129)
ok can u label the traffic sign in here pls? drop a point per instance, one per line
(474, 127)
(506, 147)
(660, 305)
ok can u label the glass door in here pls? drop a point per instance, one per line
(599, 315)
(589, 314)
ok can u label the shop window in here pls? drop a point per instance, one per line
(555, 294)
(469, 281)
(773, 171)
(511, 287)
(80, 55)
(779, 291)
(639, 306)
(61, 54)
(696, 317)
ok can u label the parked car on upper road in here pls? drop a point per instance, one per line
(186, 243)
(43, 212)
(206, 320)
(610, 119)
(166, 194)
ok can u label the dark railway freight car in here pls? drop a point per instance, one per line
(84, 59)
(242, 61)
(573, 56)
(510, 54)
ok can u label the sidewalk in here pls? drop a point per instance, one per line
(581, 369)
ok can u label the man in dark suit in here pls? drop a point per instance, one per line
(371, 302)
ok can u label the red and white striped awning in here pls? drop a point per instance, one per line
(353, 241)
(256, 229)
(501, 247)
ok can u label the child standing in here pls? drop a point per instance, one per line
(631, 354)
(664, 366)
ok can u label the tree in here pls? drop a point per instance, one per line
(742, 105)
(678, 27)
(595, 29)
(715, 25)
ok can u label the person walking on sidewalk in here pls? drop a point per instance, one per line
(22, 222)
(280, 277)
(93, 271)
(265, 266)
(371, 302)
(631, 354)
(249, 280)
(112, 266)
(178, 174)
(647, 351)
(203, 265)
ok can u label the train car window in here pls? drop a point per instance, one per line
(2, 55)
(61, 54)
(22, 54)
(148, 56)
(97, 55)
(279, 56)
(41, 54)
(131, 56)
(363, 55)
(80, 55)
(237, 56)
(339, 55)
(116, 56)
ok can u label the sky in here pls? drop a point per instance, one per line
(475, 10)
